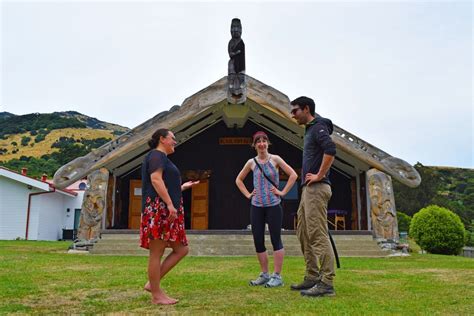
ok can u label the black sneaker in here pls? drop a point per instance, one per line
(306, 284)
(319, 290)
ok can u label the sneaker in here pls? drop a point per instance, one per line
(275, 280)
(319, 290)
(262, 279)
(306, 284)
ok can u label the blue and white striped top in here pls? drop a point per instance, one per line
(263, 196)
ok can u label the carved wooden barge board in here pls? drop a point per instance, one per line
(207, 105)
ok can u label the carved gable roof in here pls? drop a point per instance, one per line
(265, 105)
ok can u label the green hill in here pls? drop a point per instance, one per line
(43, 123)
(4, 115)
(44, 142)
(92, 122)
(452, 188)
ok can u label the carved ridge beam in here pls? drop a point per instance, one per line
(396, 167)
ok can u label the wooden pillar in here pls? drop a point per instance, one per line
(110, 202)
(363, 204)
(118, 203)
(93, 205)
(355, 215)
(382, 205)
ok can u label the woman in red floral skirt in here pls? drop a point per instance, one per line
(162, 222)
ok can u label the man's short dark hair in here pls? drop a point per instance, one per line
(305, 101)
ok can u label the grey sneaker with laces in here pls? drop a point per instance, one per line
(275, 280)
(319, 290)
(262, 279)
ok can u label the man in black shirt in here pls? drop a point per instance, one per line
(312, 230)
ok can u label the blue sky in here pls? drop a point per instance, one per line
(396, 74)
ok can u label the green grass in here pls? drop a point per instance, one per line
(40, 277)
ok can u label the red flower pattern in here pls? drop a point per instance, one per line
(155, 223)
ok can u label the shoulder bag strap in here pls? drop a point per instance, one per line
(264, 174)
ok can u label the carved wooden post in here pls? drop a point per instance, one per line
(382, 202)
(93, 206)
(109, 201)
(237, 83)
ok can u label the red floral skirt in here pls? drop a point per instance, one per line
(156, 225)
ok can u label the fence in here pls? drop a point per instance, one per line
(468, 252)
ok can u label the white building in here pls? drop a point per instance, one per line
(34, 209)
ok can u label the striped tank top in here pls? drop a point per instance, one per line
(263, 196)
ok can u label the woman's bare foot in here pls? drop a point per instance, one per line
(147, 287)
(163, 299)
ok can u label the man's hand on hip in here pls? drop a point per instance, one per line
(312, 178)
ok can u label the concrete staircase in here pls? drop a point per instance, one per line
(236, 243)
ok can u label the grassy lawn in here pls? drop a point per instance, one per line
(40, 277)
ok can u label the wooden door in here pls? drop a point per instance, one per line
(135, 204)
(200, 205)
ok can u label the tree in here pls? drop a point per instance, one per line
(413, 199)
(25, 140)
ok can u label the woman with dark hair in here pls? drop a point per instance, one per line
(265, 205)
(162, 222)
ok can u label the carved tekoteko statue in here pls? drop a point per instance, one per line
(382, 203)
(93, 206)
(236, 68)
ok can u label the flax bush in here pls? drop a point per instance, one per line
(403, 221)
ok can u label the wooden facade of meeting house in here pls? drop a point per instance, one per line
(214, 139)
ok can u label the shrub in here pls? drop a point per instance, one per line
(403, 222)
(25, 140)
(43, 131)
(39, 138)
(438, 230)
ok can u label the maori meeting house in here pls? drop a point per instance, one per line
(213, 144)
(213, 129)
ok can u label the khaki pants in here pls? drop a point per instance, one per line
(313, 234)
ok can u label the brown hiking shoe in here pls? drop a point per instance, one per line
(319, 290)
(306, 284)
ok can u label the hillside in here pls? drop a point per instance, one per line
(4, 115)
(15, 149)
(452, 188)
(44, 142)
(92, 122)
(39, 123)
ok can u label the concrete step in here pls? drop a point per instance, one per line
(130, 244)
(216, 252)
(232, 237)
(340, 246)
(143, 252)
(235, 245)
